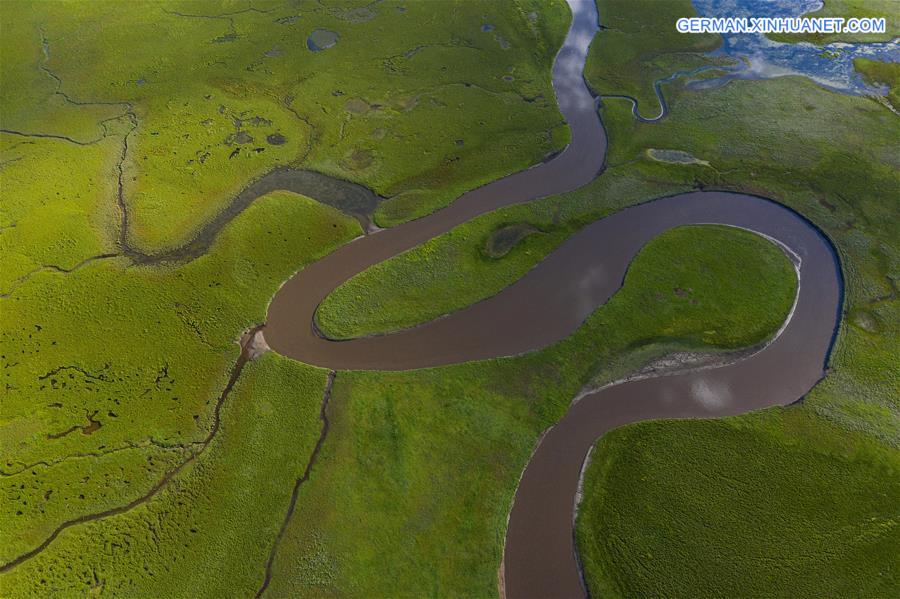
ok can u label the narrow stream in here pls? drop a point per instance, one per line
(553, 299)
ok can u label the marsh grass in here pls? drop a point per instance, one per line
(776, 504)
(796, 501)
(206, 88)
(877, 72)
(145, 351)
(639, 45)
(210, 530)
(412, 488)
(424, 464)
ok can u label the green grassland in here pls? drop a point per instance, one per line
(54, 224)
(631, 54)
(410, 492)
(142, 350)
(814, 511)
(422, 465)
(667, 517)
(849, 9)
(881, 73)
(211, 529)
(207, 101)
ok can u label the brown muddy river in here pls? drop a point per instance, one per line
(553, 299)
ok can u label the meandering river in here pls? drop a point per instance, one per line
(553, 299)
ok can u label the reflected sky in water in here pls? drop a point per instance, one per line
(830, 66)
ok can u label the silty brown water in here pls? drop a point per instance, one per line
(553, 299)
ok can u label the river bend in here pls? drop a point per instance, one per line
(553, 299)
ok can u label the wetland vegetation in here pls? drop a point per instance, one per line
(423, 464)
(142, 154)
(881, 73)
(630, 56)
(426, 462)
(830, 532)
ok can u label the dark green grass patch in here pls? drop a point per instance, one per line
(505, 238)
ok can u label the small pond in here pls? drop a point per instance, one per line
(321, 39)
